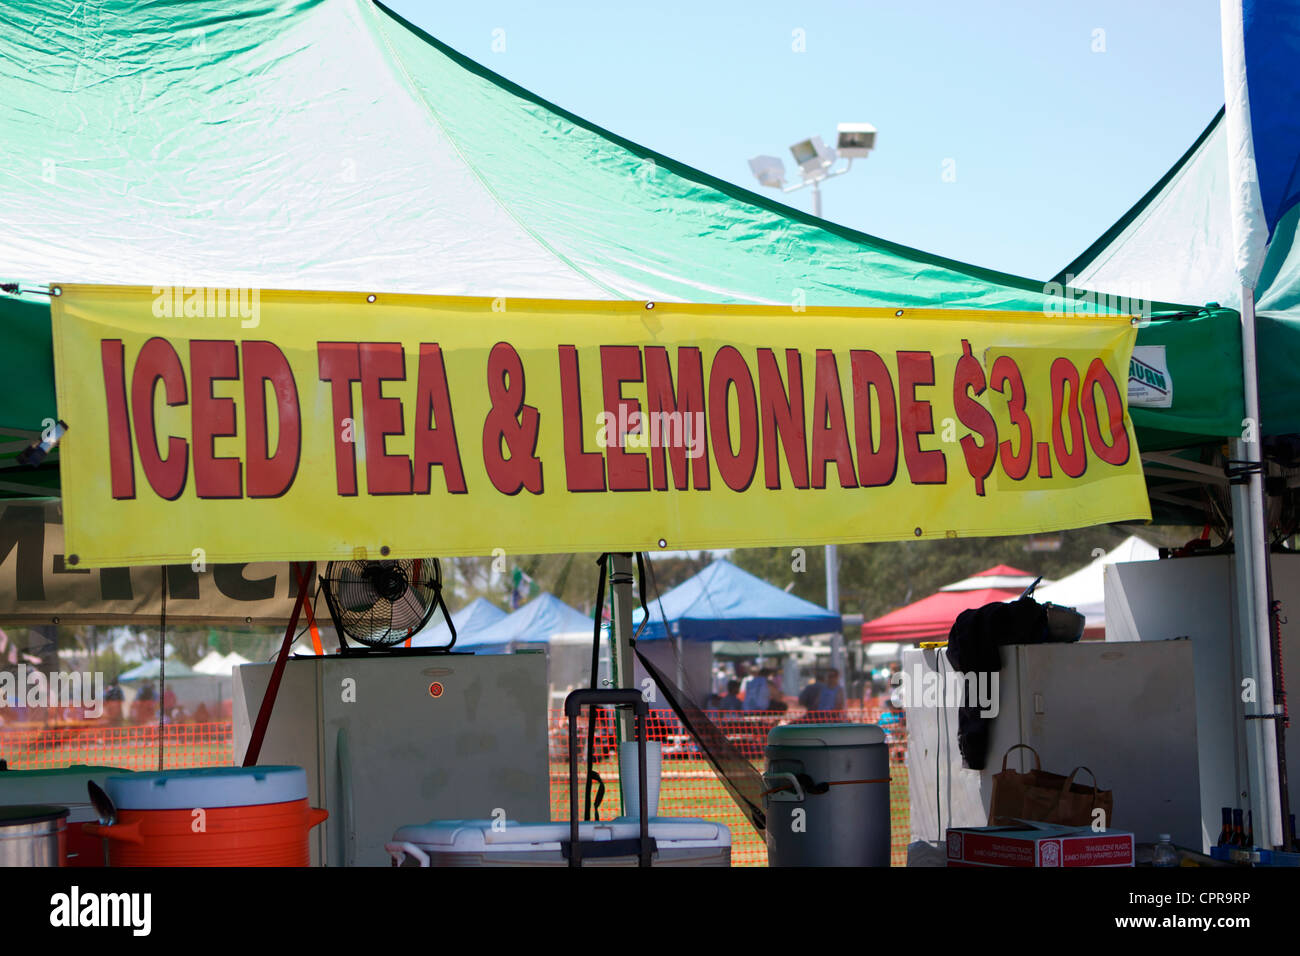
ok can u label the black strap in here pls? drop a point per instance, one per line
(594, 849)
(592, 775)
(641, 592)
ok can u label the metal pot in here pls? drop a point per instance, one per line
(1064, 624)
(33, 835)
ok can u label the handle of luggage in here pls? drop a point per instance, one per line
(573, 705)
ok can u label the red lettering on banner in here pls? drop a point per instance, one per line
(383, 416)
(672, 418)
(830, 433)
(730, 371)
(512, 423)
(1044, 460)
(877, 465)
(782, 414)
(212, 417)
(1006, 373)
(340, 365)
(157, 362)
(968, 384)
(916, 370)
(269, 475)
(583, 470)
(684, 407)
(435, 428)
(627, 470)
(1117, 451)
(1074, 462)
(121, 458)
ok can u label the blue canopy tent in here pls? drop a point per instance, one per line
(535, 623)
(478, 615)
(724, 603)
(721, 603)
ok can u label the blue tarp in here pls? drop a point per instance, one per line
(479, 614)
(535, 623)
(724, 603)
(1271, 35)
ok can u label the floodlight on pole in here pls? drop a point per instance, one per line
(855, 140)
(816, 163)
(768, 170)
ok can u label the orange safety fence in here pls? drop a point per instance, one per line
(127, 747)
(689, 786)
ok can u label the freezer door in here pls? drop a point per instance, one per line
(413, 739)
(1128, 712)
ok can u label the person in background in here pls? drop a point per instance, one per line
(114, 699)
(144, 709)
(832, 696)
(757, 691)
(732, 700)
(776, 693)
(893, 721)
(810, 697)
(170, 706)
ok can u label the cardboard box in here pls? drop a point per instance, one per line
(1039, 844)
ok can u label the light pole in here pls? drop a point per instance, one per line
(816, 162)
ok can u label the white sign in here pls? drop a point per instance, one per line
(1149, 383)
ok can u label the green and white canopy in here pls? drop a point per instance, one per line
(1176, 243)
(328, 144)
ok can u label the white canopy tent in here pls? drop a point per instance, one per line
(1085, 589)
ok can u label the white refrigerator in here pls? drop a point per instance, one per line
(395, 740)
(1127, 712)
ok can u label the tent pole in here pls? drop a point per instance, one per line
(1243, 589)
(623, 670)
(1253, 591)
(833, 605)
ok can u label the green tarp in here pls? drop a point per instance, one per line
(331, 145)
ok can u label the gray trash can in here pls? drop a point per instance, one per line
(829, 804)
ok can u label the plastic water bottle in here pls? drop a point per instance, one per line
(1164, 853)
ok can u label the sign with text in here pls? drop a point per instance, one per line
(333, 425)
(38, 586)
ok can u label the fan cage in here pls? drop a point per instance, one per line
(382, 603)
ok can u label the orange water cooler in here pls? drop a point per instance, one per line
(222, 816)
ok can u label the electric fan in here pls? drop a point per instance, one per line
(382, 603)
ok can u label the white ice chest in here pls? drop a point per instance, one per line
(680, 841)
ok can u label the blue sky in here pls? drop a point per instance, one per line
(1050, 142)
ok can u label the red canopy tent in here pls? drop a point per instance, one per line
(931, 618)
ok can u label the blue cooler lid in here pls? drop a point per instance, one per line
(208, 787)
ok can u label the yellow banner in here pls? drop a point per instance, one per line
(237, 425)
